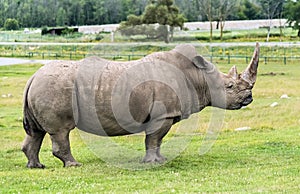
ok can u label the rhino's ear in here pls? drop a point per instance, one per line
(203, 64)
(186, 50)
(233, 72)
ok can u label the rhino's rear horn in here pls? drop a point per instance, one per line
(233, 72)
(251, 71)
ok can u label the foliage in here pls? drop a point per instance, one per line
(251, 10)
(292, 12)
(150, 31)
(67, 31)
(264, 159)
(219, 11)
(44, 30)
(34, 13)
(61, 19)
(11, 24)
(225, 9)
(163, 12)
(190, 9)
(271, 8)
(99, 37)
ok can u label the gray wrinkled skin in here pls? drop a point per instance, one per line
(119, 98)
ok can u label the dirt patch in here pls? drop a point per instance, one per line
(272, 74)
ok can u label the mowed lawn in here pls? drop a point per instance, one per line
(265, 158)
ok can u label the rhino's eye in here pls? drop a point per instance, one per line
(230, 85)
(250, 86)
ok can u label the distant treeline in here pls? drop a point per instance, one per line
(39, 13)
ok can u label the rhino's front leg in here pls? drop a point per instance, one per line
(153, 142)
(61, 148)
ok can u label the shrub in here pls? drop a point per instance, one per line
(44, 30)
(11, 24)
(99, 37)
(67, 31)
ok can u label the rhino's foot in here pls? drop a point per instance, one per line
(72, 163)
(35, 165)
(153, 157)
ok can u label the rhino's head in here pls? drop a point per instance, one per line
(232, 90)
(238, 87)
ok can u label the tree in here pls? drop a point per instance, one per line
(251, 10)
(189, 8)
(61, 18)
(88, 9)
(163, 12)
(101, 13)
(292, 12)
(226, 7)
(11, 24)
(218, 10)
(2, 14)
(209, 8)
(38, 13)
(271, 9)
(247, 10)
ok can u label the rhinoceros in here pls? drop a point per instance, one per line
(110, 98)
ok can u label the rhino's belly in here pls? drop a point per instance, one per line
(95, 112)
(106, 125)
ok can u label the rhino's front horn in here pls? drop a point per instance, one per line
(250, 72)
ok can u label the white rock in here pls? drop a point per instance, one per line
(284, 96)
(9, 95)
(274, 104)
(242, 128)
(3, 96)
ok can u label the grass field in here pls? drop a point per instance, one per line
(125, 52)
(286, 34)
(264, 159)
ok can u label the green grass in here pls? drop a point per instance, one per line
(288, 34)
(264, 159)
(126, 52)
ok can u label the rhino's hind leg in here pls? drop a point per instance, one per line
(153, 142)
(31, 147)
(61, 148)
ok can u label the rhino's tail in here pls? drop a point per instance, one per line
(30, 123)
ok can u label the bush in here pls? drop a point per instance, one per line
(67, 31)
(148, 30)
(99, 37)
(203, 38)
(11, 24)
(44, 30)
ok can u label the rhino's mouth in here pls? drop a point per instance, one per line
(247, 100)
(239, 105)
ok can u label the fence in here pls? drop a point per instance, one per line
(232, 53)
